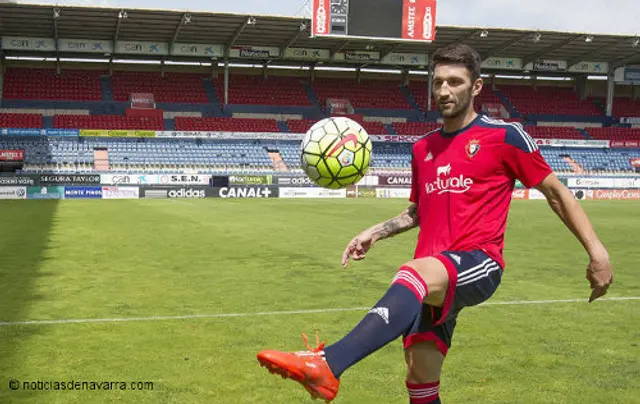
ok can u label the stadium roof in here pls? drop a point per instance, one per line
(101, 23)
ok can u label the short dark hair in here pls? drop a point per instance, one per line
(459, 54)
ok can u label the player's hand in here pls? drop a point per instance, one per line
(600, 276)
(358, 247)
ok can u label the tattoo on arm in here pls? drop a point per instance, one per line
(407, 220)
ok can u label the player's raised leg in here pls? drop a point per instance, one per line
(419, 281)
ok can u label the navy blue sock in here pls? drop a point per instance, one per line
(389, 319)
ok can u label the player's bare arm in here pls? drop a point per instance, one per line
(563, 203)
(363, 242)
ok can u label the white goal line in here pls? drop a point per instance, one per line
(280, 313)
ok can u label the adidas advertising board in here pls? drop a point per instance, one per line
(184, 193)
(289, 181)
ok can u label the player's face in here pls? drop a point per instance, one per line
(453, 89)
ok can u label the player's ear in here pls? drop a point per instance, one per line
(477, 86)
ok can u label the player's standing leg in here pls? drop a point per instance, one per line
(420, 281)
(424, 365)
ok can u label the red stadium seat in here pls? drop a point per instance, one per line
(372, 127)
(613, 133)
(367, 94)
(12, 120)
(300, 125)
(255, 90)
(45, 84)
(548, 100)
(174, 87)
(553, 132)
(415, 128)
(622, 107)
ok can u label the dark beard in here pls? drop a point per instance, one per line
(461, 107)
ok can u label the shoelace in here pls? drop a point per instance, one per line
(319, 346)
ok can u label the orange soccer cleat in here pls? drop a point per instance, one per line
(306, 367)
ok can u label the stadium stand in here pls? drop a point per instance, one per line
(625, 108)
(300, 125)
(173, 87)
(414, 128)
(622, 106)
(372, 127)
(165, 155)
(107, 122)
(256, 90)
(226, 124)
(45, 84)
(614, 133)
(11, 120)
(553, 132)
(155, 155)
(263, 101)
(548, 100)
(390, 156)
(377, 94)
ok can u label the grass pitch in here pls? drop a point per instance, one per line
(147, 260)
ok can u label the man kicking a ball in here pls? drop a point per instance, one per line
(463, 178)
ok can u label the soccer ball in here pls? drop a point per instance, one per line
(335, 152)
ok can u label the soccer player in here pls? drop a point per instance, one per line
(463, 177)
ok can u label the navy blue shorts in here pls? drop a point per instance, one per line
(473, 278)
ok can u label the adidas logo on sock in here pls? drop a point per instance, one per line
(382, 312)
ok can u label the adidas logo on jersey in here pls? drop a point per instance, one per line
(429, 157)
(382, 312)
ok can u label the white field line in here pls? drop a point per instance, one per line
(178, 201)
(281, 313)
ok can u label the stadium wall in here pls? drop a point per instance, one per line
(303, 74)
(181, 186)
(593, 88)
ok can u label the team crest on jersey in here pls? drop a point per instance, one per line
(472, 148)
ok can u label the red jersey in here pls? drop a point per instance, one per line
(463, 182)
